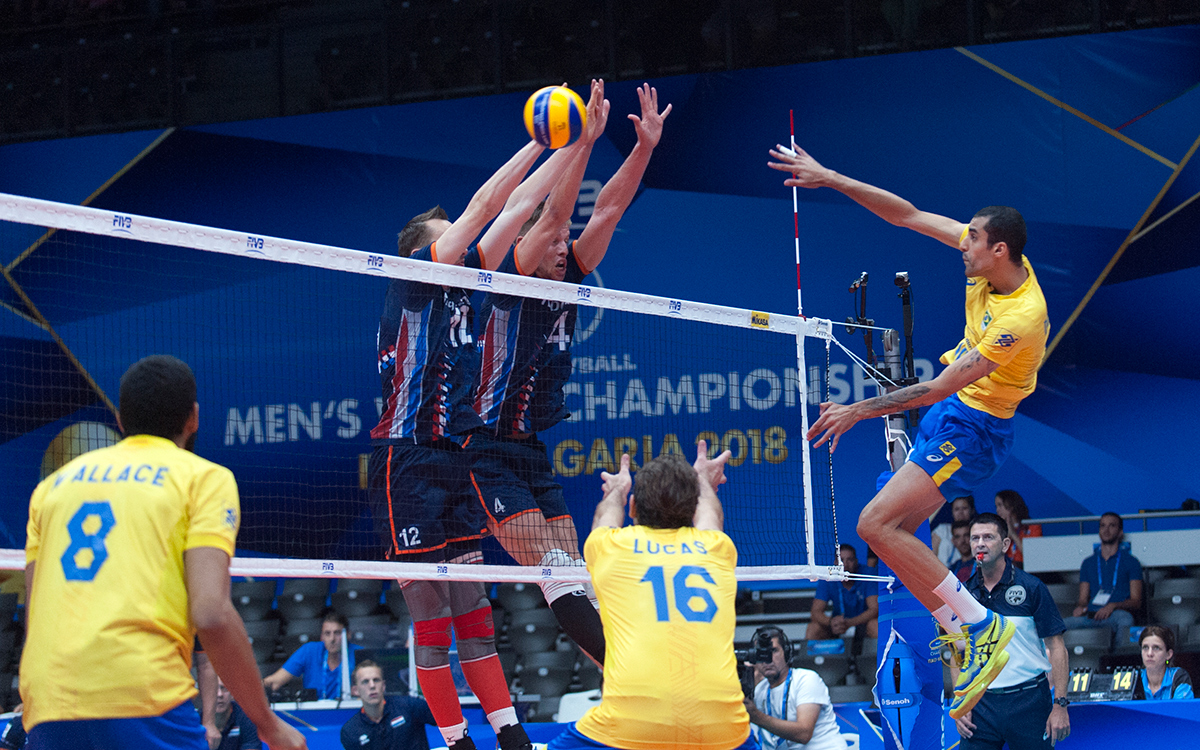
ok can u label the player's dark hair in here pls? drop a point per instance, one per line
(416, 233)
(1120, 521)
(666, 492)
(993, 519)
(1005, 224)
(362, 665)
(332, 615)
(960, 525)
(970, 501)
(533, 218)
(1167, 635)
(1015, 504)
(156, 397)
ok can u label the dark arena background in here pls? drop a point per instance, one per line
(334, 122)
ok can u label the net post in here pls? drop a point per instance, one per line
(810, 541)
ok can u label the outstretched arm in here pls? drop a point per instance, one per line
(561, 203)
(611, 510)
(619, 191)
(485, 204)
(836, 419)
(709, 514)
(807, 172)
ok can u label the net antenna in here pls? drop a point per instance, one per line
(97, 255)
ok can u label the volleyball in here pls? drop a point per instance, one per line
(555, 116)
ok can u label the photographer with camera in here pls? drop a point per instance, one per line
(790, 707)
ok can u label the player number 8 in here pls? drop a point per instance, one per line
(83, 541)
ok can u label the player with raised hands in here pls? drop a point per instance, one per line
(525, 351)
(968, 433)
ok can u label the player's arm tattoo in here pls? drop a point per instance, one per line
(901, 400)
(967, 369)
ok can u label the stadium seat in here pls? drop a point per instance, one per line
(850, 693)
(302, 598)
(1175, 602)
(1065, 596)
(572, 706)
(263, 635)
(394, 599)
(1086, 646)
(310, 627)
(588, 676)
(532, 631)
(508, 662)
(518, 597)
(547, 674)
(357, 598)
(289, 643)
(543, 711)
(371, 631)
(831, 667)
(252, 599)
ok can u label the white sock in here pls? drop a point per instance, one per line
(947, 619)
(453, 734)
(953, 593)
(502, 718)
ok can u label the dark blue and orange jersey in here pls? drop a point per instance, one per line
(427, 358)
(525, 357)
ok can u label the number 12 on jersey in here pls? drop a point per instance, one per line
(684, 594)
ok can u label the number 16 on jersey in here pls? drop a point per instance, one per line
(684, 594)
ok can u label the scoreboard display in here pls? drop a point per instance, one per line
(1086, 685)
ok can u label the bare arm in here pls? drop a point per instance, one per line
(709, 514)
(278, 679)
(868, 614)
(561, 203)
(611, 510)
(807, 172)
(618, 192)
(227, 645)
(800, 730)
(206, 680)
(1081, 604)
(1058, 725)
(836, 419)
(817, 613)
(486, 204)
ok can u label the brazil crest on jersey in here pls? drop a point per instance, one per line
(524, 344)
(427, 358)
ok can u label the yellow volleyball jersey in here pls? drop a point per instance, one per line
(667, 604)
(1010, 330)
(108, 631)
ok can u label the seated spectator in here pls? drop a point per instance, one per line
(791, 709)
(237, 731)
(962, 509)
(13, 736)
(1012, 508)
(1160, 681)
(318, 662)
(1110, 582)
(855, 603)
(961, 536)
(395, 723)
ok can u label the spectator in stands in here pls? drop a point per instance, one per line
(791, 709)
(1012, 508)
(395, 723)
(1110, 582)
(318, 662)
(962, 509)
(1160, 681)
(872, 566)
(961, 538)
(237, 731)
(855, 603)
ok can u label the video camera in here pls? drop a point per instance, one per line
(761, 651)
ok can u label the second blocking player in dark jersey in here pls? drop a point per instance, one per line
(525, 353)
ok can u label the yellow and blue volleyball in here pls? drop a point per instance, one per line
(555, 116)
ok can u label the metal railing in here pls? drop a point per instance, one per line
(1144, 517)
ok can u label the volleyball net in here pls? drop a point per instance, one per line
(281, 337)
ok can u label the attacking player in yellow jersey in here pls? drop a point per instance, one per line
(127, 560)
(666, 588)
(968, 433)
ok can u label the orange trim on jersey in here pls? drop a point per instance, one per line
(558, 518)
(586, 271)
(517, 258)
(480, 535)
(391, 514)
(521, 513)
(482, 502)
(433, 251)
(467, 441)
(418, 549)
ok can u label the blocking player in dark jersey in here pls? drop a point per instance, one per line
(419, 475)
(525, 362)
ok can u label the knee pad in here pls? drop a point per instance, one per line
(476, 634)
(432, 638)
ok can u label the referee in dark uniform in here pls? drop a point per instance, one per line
(395, 723)
(1018, 709)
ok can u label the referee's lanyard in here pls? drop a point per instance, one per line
(787, 688)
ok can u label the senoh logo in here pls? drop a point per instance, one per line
(123, 224)
(375, 263)
(760, 319)
(254, 244)
(583, 294)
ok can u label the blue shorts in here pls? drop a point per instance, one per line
(960, 447)
(177, 729)
(513, 476)
(573, 739)
(422, 501)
